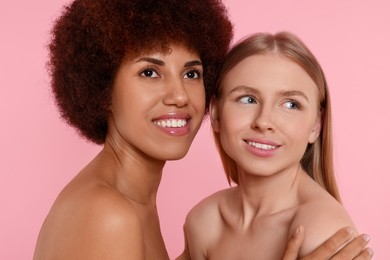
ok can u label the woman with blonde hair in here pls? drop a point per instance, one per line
(271, 118)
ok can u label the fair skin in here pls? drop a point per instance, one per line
(104, 212)
(267, 114)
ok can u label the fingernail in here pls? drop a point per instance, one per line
(370, 251)
(350, 230)
(299, 228)
(366, 238)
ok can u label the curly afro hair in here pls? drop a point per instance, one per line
(91, 39)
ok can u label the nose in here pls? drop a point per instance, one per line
(176, 93)
(263, 120)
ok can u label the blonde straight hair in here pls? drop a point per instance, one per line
(317, 160)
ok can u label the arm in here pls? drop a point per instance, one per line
(186, 254)
(341, 240)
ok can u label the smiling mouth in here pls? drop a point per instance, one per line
(261, 146)
(174, 123)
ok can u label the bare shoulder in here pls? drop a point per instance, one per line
(110, 210)
(114, 225)
(322, 216)
(204, 223)
(207, 209)
(95, 223)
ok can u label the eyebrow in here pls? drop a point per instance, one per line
(289, 93)
(151, 60)
(245, 89)
(162, 63)
(284, 93)
(193, 63)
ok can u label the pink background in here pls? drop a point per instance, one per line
(39, 154)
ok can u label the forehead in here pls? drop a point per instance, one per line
(160, 48)
(269, 72)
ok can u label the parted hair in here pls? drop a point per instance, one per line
(91, 38)
(317, 160)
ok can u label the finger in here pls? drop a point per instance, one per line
(330, 246)
(366, 254)
(294, 244)
(353, 248)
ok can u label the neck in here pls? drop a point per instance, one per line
(266, 195)
(130, 171)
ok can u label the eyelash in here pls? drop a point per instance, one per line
(239, 99)
(195, 71)
(297, 104)
(142, 74)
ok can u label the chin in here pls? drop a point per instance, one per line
(174, 154)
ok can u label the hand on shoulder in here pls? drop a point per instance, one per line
(321, 220)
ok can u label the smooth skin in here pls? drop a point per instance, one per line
(265, 118)
(103, 213)
(108, 211)
(355, 249)
(341, 246)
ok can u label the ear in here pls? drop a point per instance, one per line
(214, 118)
(315, 132)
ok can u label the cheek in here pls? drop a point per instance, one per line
(233, 123)
(125, 107)
(302, 134)
(130, 106)
(296, 128)
(198, 97)
(239, 118)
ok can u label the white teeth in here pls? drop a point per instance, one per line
(262, 146)
(171, 123)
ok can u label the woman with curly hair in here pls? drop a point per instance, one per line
(136, 77)
(133, 76)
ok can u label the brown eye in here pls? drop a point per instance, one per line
(149, 73)
(193, 74)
